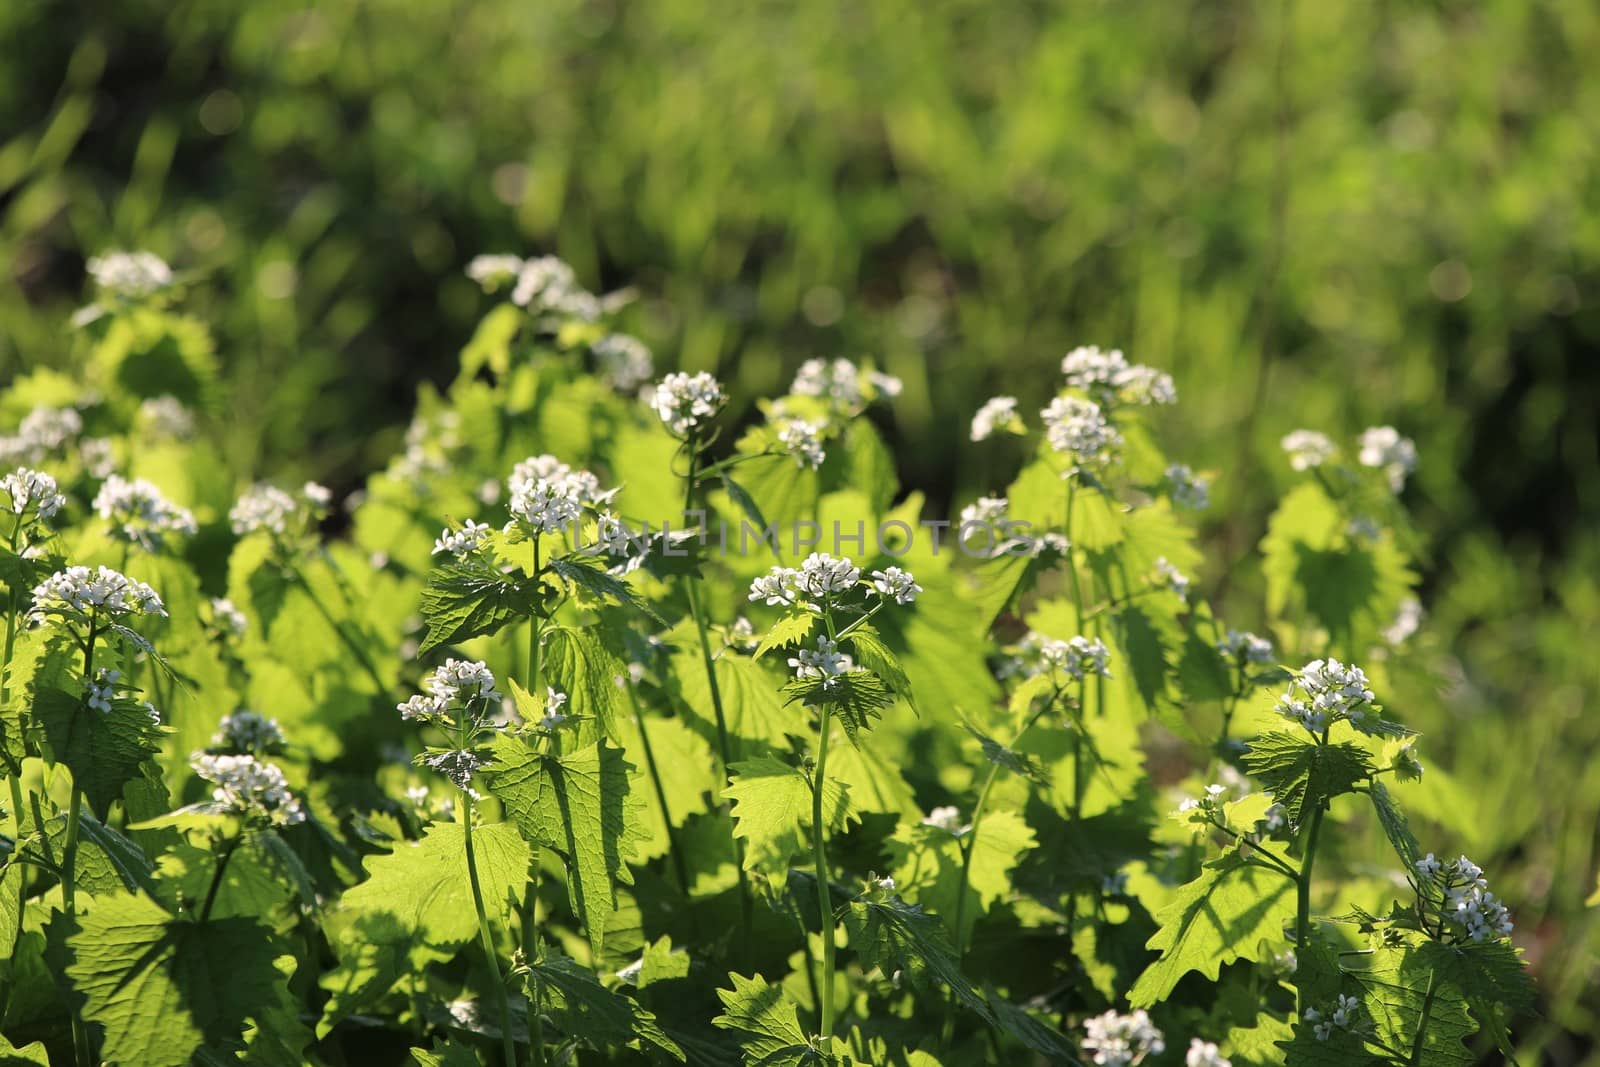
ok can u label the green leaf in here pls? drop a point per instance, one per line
(162, 988)
(446, 1054)
(928, 862)
(593, 1014)
(580, 805)
(1220, 917)
(1019, 763)
(472, 599)
(1301, 774)
(767, 1023)
(880, 659)
(580, 664)
(746, 503)
(786, 632)
(1493, 980)
(416, 908)
(772, 812)
(857, 696)
(104, 749)
(1395, 827)
(31, 1053)
(589, 574)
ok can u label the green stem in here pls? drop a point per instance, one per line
(1302, 919)
(69, 855)
(216, 876)
(507, 1039)
(1422, 1024)
(530, 894)
(819, 856)
(13, 770)
(724, 747)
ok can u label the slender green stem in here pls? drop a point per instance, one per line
(1302, 918)
(13, 770)
(1422, 1023)
(970, 841)
(69, 852)
(724, 747)
(820, 858)
(531, 949)
(503, 1002)
(661, 794)
(216, 876)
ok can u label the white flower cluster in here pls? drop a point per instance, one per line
(998, 415)
(803, 441)
(494, 271)
(245, 786)
(1383, 447)
(1173, 578)
(1116, 1040)
(1187, 489)
(1109, 375)
(546, 283)
(554, 701)
(80, 591)
(1330, 691)
(1467, 903)
(227, 617)
(623, 361)
(167, 416)
(463, 682)
(266, 507)
(544, 506)
(42, 433)
(1078, 428)
(130, 274)
(685, 402)
(841, 382)
(1246, 647)
(429, 442)
(1307, 449)
(946, 818)
(1078, 656)
(1210, 802)
(826, 661)
(895, 584)
(103, 690)
(31, 491)
(139, 514)
(248, 731)
(985, 511)
(583, 485)
(1407, 621)
(821, 575)
(1344, 1014)
(1204, 1054)
(462, 542)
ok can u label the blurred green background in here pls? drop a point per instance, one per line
(1313, 214)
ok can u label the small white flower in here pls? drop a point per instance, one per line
(1204, 1054)
(826, 662)
(1078, 656)
(103, 690)
(1116, 1040)
(1383, 447)
(139, 514)
(1246, 647)
(1087, 367)
(1307, 449)
(317, 495)
(803, 441)
(546, 283)
(245, 786)
(821, 575)
(985, 511)
(130, 274)
(43, 433)
(545, 506)
(1407, 621)
(494, 272)
(1173, 578)
(686, 402)
(263, 507)
(946, 818)
(167, 416)
(1331, 692)
(1078, 428)
(998, 415)
(229, 618)
(247, 731)
(463, 542)
(1428, 866)
(1187, 489)
(31, 491)
(778, 587)
(624, 361)
(1139, 384)
(80, 591)
(894, 583)
(839, 381)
